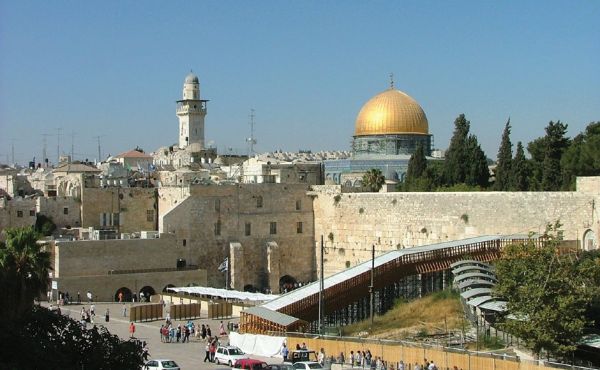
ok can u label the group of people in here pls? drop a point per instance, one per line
(180, 334)
(364, 359)
(212, 343)
(169, 333)
(88, 315)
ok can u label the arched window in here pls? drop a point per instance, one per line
(590, 242)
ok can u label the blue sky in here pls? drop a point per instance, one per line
(116, 68)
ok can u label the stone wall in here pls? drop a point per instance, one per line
(104, 266)
(17, 212)
(352, 222)
(64, 211)
(137, 208)
(212, 217)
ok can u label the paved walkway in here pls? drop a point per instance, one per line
(187, 355)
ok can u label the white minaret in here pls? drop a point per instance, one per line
(191, 112)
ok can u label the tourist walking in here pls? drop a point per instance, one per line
(131, 329)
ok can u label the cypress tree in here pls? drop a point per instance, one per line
(556, 144)
(417, 165)
(503, 165)
(456, 155)
(476, 167)
(520, 170)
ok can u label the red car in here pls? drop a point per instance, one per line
(251, 364)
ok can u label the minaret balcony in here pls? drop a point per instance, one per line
(191, 106)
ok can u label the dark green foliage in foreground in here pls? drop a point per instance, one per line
(45, 340)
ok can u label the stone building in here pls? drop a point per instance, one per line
(16, 212)
(135, 160)
(107, 267)
(266, 230)
(122, 209)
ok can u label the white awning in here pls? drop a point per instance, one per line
(226, 294)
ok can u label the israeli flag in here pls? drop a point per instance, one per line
(224, 266)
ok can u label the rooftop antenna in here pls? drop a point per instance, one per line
(13, 151)
(99, 151)
(72, 146)
(391, 80)
(58, 145)
(251, 140)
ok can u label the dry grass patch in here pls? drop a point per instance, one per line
(432, 314)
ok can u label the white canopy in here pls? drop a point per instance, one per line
(223, 293)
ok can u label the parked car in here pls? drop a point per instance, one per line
(307, 365)
(161, 364)
(284, 366)
(301, 355)
(229, 355)
(251, 364)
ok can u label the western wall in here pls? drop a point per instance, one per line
(352, 222)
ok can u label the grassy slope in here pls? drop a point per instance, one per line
(428, 315)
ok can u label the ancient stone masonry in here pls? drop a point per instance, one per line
(352, 222)
(267, 226)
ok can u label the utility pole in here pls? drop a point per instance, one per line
(372, 287)
(99, 152)
(72, 146)
(12, 145)
(321, 287)
(251, 140)
(58, 145)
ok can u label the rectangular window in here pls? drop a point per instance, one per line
(19, 213)
(273, 228)
(298, 205)
(65, 211)
(217, 205)
(259, 201)
(150, 215)
(218, 228)
(32, 213)
(299, 227)
(248, 229)
(116, 219)
(184, 242)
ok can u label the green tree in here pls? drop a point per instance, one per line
(476, 164)
(24, 268)
(373, 179)
(520, 170)
(556, 144)
(417, 165)
(456, 155)
(547, 294)
(582, 158)
(42, 339)
(44, 225)
(504, 162)
(416, 179)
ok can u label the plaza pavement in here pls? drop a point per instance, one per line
(187, 355)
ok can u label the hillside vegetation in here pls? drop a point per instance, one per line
(433, 314)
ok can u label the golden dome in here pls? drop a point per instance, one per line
(391, 112)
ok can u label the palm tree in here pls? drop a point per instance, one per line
(24, 270)
(373, 179)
